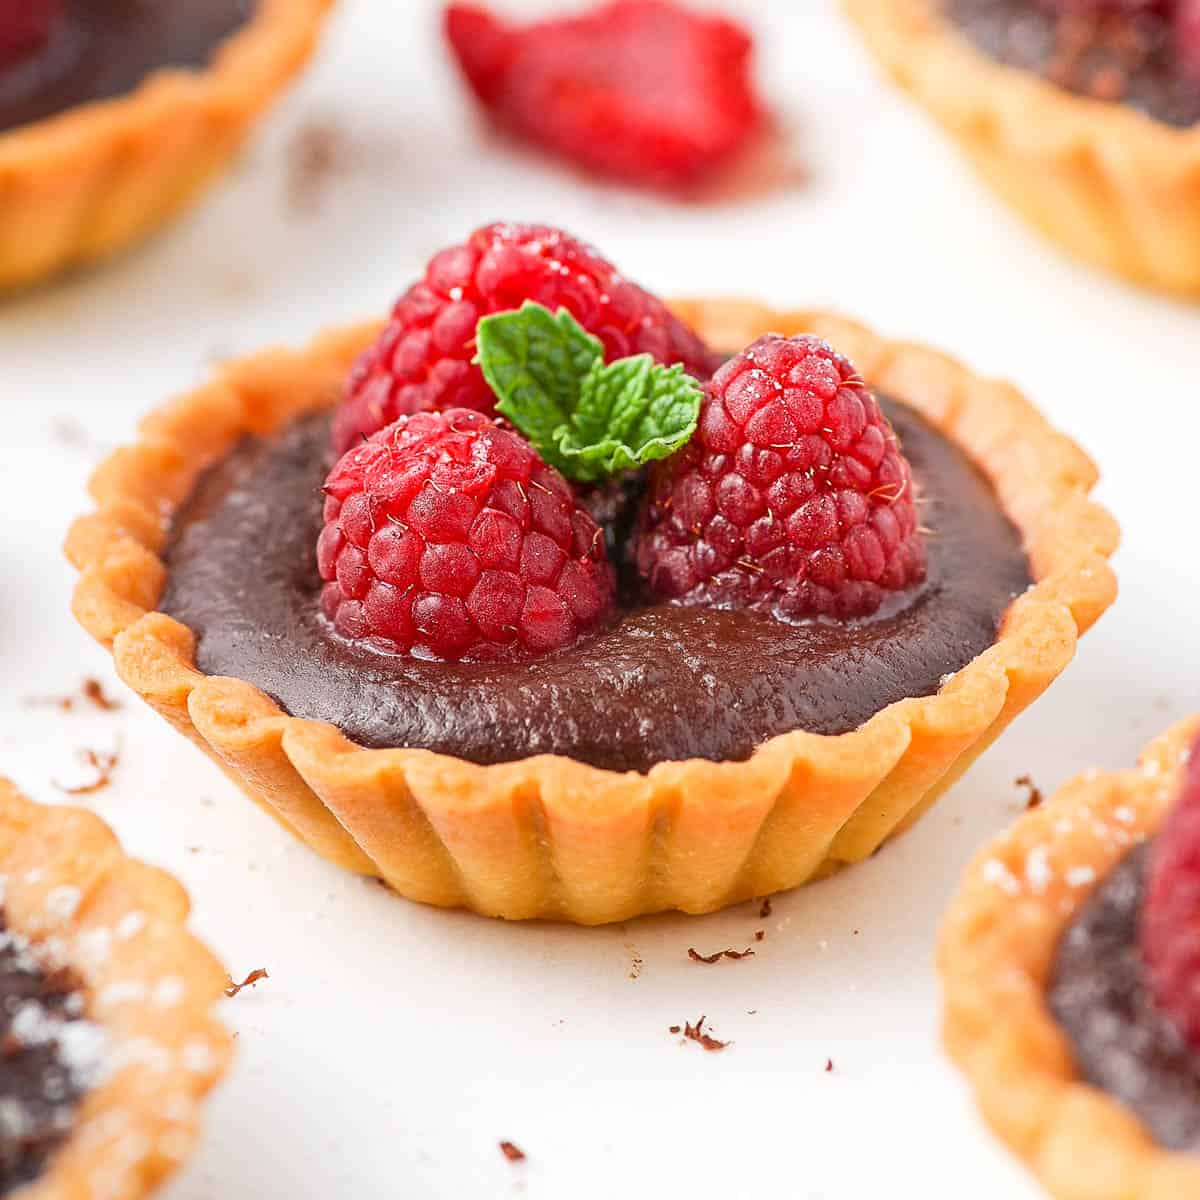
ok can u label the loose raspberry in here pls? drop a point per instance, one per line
(1187, 34)
(793, 497)
(1170, 931)
(641, 89)
(422, 361)
(25, 26)
(447, 537)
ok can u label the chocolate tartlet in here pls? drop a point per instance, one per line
(1097, 144)
(107, 1039)
(1048, 1004)
(555, 835)
(126, 112)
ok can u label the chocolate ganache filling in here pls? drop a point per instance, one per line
(1114, 56)
(100, 49)
(1100, 994)
(48, 1053)
(661, 682)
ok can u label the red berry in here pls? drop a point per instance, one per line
(422, 360)
(1187, 34)
(793, 497)
(640, 89)
(1171, 911)
(448, 537)
(25, 26)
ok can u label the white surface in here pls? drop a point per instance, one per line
(395, 1045)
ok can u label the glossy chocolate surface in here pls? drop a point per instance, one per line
(661, 683)
(1122, 1041)
(1136, 64)
(105, 48)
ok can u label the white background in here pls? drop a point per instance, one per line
(394, 1045)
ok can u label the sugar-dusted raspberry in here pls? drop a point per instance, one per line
(1170, 931)
(422, 360)
(25, 25)
(793, 497)
(645, 90)
(448, 537)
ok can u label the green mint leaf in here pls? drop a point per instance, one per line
(533, 360)
(588, 419)
(630, 412)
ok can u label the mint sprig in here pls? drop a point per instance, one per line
(588, 418)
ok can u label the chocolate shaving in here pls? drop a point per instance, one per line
(103, 762)
(318, 152)
(1034, 793)
(695, 1033)
(696, 956)
(512, 1152)
(93, 692)
(250, 980)
(764, 910)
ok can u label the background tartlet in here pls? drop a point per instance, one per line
(84, 184)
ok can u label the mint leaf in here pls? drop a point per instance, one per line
(588, 419)
(630, 412)
(533, 360)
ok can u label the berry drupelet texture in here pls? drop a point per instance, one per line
(447, 537)
(422, 362)
(1171, 912)
(793, 497)
(644, 90)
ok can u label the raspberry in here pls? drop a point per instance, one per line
(640, 89)
(793, 497)
(25, 26)
(1187, 34)
(1170, 933)
(422, 361)
(447, 537)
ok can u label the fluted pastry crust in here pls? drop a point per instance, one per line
(997, 949)
(548, 836)
(83, 184)
(148, 984)
(1115, 187)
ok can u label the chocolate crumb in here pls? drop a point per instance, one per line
(759, 934)
(764, 910)
(103, 762)
(696, 956)
(695, 1033)
(512, 1152)
(93, 692)
(250, 980)
(675, 1029)
(319, 151)
(1033, 798)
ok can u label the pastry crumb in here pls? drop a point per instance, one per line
(696, 956)
(1033, 793)
(512, 1152)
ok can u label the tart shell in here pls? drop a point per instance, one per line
(997, 950)
(548, 836)
(83, 184)
(119, 927)
(1115, 187)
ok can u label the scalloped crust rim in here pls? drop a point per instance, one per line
(149, 984)
(547, 836)
(997, 949)
(82, 185)
(1115, 187)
